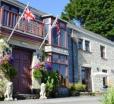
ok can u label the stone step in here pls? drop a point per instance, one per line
(26, 96)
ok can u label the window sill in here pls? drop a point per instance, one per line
(103, 58)
(85, 51)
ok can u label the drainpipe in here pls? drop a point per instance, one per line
(73, 72)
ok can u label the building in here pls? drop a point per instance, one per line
(77, 54)
(73, 56)
(57, 47)
(95, 59)
(24, 42)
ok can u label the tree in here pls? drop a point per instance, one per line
(94, 15)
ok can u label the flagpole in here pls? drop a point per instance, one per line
(48, 32)
(17, 23)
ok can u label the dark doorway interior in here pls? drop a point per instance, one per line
(86, 77)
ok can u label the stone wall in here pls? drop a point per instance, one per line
(94, 60)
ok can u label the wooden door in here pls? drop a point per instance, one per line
(22, 62)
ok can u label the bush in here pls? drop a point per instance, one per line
(76, 88)
(2, 89)
(44, 72)
(37, 74)
(52, 83)
(108, 97)
(8, 71)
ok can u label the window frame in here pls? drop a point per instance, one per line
(103, 51)
(80, 40)
(87, 49)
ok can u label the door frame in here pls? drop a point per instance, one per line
(24, 49)
(88, 80)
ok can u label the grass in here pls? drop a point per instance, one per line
(108, 97)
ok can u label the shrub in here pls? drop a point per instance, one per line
(52, 83)
(2, 89)
(76, 88)
(37, 74)
(108, 97)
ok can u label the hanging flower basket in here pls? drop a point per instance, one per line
(6, 61)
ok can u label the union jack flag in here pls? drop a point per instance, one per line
(28, 15)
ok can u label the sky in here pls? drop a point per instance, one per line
(53, 7)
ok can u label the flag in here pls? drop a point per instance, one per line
(28, 15)
(58, 28)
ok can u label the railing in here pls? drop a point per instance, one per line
(9, 19)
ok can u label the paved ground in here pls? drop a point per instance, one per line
(69, 100)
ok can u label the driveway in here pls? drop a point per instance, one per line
(68, 100)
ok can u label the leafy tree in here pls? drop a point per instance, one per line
(94, 15)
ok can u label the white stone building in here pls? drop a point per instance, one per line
(95, 59)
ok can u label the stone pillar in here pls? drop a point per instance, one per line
(83, 44)
(92, 82)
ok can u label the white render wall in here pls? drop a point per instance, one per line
(93, 59)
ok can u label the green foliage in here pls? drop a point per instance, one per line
(52, 82)
(37, 74)
(8, 70)
(94, 15)
(108, 98)
(2, 89)
(51, 79)
(76, 88)
(44, 55)
(92, 93)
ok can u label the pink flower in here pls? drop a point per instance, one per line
(1, 61)
(37, 66)
(7, 57)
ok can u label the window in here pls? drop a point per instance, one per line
(63, 58)
(104, 79)
(55, 58)
(59, 39)
(46, 26)
(87, 46)
(62, 70)
(102, 49)
(80, 43)
(54, 37)
(62, 38)
(55, 67)
(10, 18)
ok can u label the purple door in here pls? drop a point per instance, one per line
(22, 62)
